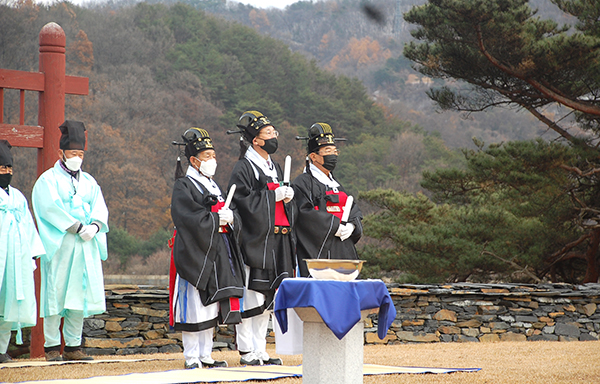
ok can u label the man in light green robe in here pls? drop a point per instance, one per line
(19, 243)
(72, 219)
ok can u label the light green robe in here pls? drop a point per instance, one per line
(19, 243)
(71, 269)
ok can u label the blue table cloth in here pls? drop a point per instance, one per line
(338, 302)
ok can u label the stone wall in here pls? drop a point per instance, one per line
(491, 312)
(137, 317)
(136, 321)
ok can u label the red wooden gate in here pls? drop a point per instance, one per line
(52, 84)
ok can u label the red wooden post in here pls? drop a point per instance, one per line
(52, 100)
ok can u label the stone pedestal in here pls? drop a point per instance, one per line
(325, 358)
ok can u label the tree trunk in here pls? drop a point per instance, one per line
(591, 273)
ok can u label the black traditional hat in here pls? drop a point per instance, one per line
(196, 140)
(319, 135)
(5, 155)
(73, 135)
(251, 122)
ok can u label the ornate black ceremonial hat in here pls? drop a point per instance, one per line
(73, 135)
(319, 135)
(5, 155)
(251, 122)
(196, 140)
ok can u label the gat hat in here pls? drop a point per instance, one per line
(5, 155)
(251, 122)
(196, 140)
(73, 135)
(319, 135)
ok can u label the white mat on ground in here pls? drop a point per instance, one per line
(18, 363)
(233, 374)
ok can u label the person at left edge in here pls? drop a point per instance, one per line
(19, 243)
(72, 220)
(208, 262)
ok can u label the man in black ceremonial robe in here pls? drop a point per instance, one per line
(267, 240)
(320, 200)
(208, 262)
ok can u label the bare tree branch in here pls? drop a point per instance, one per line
(552, 94)
(551, 124)
(579, 171)
(562, 254)
(525, 270)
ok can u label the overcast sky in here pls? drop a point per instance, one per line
(256, 3)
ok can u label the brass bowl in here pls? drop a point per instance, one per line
(331, 269)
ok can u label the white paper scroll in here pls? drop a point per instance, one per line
(287, 169)
(347, 209)
(229, 196)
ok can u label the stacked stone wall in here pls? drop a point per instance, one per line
(137, 318)
(491, 312)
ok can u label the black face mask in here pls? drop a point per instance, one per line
(329, 162)
(270, 146)
(5, 180)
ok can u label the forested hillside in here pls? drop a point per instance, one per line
(340, 37)
(156, 70)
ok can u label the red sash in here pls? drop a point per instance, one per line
(280, 215)
(172, 276)
(336, 209)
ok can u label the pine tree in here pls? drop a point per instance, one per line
(510, 57)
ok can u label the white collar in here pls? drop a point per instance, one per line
(208, 183)
(322, 177)
(261, 162)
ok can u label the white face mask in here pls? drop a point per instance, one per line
(208, 167)
(73, 163)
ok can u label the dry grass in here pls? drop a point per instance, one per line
(504, 362)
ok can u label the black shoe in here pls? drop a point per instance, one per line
(76, 355)
(191, 365)
(273, 361)
(5, 358)
(53, 354)
(250, 359)
(215, 363)
(267, 360)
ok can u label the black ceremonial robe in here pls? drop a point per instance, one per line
(269, 262)
(316, 228)
(199, 250)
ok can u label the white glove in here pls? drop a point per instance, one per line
(225, 216)
(344, 231)
(88, 232)
(289, 194)
(280, 193)
(74, 228)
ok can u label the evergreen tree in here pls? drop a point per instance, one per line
(509, 212)
(512, 58)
